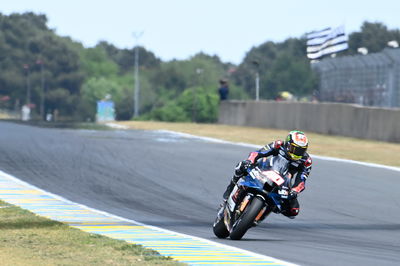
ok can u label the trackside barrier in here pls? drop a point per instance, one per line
(326, 118)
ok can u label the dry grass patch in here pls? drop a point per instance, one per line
(334, 146)
(28, 239)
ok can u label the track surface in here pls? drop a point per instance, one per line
(349, 213)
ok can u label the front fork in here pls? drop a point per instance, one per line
(262, 214)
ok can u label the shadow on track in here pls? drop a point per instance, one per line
(331, 226)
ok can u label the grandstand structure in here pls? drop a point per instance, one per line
(368, 80)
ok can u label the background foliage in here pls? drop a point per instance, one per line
(179, 90)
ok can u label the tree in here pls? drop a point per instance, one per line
(282, 67)
(373, 36)
(25, 38)
(177, 90)
(194, 104)
(124, 58)
(95, 63)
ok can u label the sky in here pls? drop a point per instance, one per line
(179, 29)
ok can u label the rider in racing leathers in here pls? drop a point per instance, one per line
(294, 149)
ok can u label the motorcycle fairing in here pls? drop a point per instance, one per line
(248, 181)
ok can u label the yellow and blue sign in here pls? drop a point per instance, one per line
(105, 111)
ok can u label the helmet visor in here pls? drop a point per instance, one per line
(296, 151)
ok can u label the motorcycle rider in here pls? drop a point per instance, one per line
(294, 148)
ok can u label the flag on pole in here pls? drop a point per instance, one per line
(325, 42)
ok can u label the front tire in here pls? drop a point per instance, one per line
(219, 227)
(246, 220)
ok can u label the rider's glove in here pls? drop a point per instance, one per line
(245, 165)
(241, 168)
(292, 194)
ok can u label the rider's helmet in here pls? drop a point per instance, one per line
(296, 144)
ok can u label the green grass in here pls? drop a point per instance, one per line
(28, 239)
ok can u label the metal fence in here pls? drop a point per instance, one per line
(369, 80)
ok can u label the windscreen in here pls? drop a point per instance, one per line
(280, 164)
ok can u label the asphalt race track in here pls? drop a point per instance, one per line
(349, 213)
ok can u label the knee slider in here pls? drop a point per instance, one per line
(294, 211)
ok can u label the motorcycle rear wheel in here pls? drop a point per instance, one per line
(246, 220)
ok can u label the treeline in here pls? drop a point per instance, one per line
(56, 73)
(284, 66)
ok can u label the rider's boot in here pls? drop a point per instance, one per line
(228, 190)
(230, 187)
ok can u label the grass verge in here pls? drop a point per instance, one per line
(62, 124)
(28, 239)
(334, 146)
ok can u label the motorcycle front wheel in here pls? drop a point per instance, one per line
(247, 218)
(219, 227)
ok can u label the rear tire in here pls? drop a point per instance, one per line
(246, 220)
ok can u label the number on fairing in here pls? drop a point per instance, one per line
(274, 177)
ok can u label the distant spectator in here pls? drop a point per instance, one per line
(284, 96)
(49, 116)
(25, 113)
(55, 115)
(223, 90)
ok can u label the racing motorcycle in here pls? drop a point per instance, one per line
(264, 190)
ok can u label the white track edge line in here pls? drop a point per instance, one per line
(15, 179)
(393, 168)
(116, 126)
